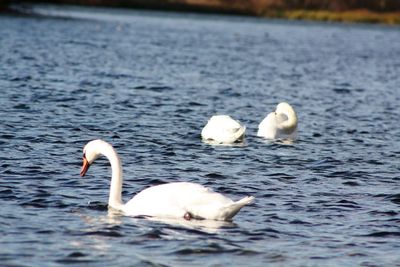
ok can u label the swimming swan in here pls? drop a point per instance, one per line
(222, 129)
(279, 124)
(173, 200)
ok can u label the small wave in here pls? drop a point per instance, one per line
(351, 183)
(214, 175)
(97, 205)
(395, 198)
(213, 248)
(69, 260)
(103, 233)
(21, 78)
(157, 89)
(384, 213)
(342, 90)
(384, 234)
(44, 203)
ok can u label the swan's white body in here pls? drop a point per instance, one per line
(172, 200)
(280, 124)
(223, 129)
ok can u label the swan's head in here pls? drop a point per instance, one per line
(284, 107)
(91, 152)
(287, 118)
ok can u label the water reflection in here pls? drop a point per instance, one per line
(207, 226)
(241, 143)
(277, 141)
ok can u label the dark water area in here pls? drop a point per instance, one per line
(147, 82)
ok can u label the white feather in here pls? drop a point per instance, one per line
(279, 124)
(172, 200)
(223, 129)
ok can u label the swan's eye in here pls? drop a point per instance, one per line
(84, 155)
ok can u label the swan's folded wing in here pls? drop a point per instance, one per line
(224, 210)
(174, 200)
(223, 129)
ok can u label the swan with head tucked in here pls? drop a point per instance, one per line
(222, 129)
(172, 200)
(279, 124)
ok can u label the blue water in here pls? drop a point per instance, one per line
(147, 82)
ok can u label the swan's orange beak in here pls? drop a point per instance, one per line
(85, 166)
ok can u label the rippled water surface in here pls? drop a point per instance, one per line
(147, 83)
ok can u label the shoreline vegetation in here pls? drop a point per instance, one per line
(348, 11)
(349, 16)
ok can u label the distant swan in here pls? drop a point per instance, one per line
(222, 129)
(279, 124)
(173, 200)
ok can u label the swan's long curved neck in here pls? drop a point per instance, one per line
(290, 124)
(115, 198)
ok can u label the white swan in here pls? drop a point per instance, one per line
(279, 124)
(222, 129)
(172, 200)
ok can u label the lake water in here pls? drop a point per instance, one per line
(147, 82)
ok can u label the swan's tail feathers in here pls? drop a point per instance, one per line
(234, 208)
(245, 201)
